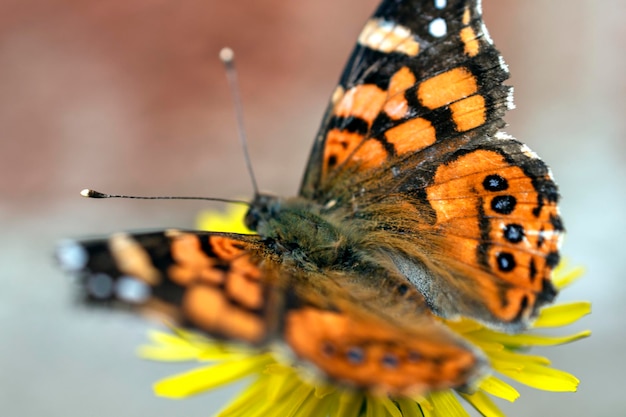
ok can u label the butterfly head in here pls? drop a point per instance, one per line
(263, 208)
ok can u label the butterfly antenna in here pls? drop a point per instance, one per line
(227, 56)
(89, 193)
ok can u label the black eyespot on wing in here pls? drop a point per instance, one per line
(503, 204)
(506, 262)
(514, 233)
(495, 182)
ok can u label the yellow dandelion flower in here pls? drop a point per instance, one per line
(278, 389)
(228, 221)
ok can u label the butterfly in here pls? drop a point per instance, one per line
(414, 207)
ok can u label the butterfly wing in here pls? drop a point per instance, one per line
(233, 287)
(360, 342)
(215, 282)
(409, 152)
(423, 72)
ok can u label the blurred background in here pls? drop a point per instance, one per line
(128, 96)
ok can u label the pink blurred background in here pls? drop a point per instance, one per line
(129, 97)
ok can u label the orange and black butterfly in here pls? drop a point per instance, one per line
(413, 206)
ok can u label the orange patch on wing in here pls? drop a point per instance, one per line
(209, 310)
(370, 353)
(457, 188)
(411, 136)
(370, 154)
(471, 44)
(363, 101)
(466, 16)
(339, 146)
(225, 248)
(401, 81)
(469, 113)
(447, 87)
(191, 262)
(396, 106)
(242, 283)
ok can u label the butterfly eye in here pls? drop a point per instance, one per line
(252, 219)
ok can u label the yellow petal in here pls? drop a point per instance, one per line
(315, 406)
(229, 221)
(205, 378)
(409, 408)
(374, 408)
(562, 278)
(389, 406)
(562, 314)
(463, 325)
(349, 404)
(288, 406)
(483, 404)
(322, 390)
(529, 339)
(498, 388)
(168, 354)
(446, 405)
(280, 385)
(247, 401)
(542, 377)
(516, 357)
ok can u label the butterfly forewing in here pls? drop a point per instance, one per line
(422, 73)
(214, 282)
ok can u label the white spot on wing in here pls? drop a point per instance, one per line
(440, 4)
(503, 64)
(510, 103)
(71, 255)
(503, 136)
(132, 290)
(438, 27)
(529, 152)
(485, 32)
(99, 285)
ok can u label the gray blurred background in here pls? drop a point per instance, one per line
(128, 96)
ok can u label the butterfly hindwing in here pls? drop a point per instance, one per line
(387, 344)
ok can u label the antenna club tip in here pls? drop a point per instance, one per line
(227, 55)
(89, 193)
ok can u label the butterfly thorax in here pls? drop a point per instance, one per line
(299, 228)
